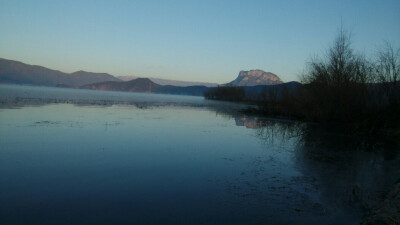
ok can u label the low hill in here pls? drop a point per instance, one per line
(259, 91)
(137, 85)
(146, 85)
(171, 82)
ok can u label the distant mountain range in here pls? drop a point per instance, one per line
(245, 78)
(170, 82)
(14, 72)
(254, 78)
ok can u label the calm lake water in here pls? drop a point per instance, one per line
(94, 157)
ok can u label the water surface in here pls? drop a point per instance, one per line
(93, 157)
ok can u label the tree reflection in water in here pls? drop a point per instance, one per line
(337, 172)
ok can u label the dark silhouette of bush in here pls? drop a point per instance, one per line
(225, 93)
(346, 88)
(337, 84)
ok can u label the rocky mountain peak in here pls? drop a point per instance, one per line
(255, 77)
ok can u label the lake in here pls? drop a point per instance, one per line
(71, 156)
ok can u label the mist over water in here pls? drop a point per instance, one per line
(72, 156)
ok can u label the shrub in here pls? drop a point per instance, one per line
(226, 93)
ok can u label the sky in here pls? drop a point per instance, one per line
(203, 40)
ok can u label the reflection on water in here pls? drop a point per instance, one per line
(349, 172)
(157, 159)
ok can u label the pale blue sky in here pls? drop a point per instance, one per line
(203, 40)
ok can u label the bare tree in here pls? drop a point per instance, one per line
(388, 64)
(337, 83)
(341, 65)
